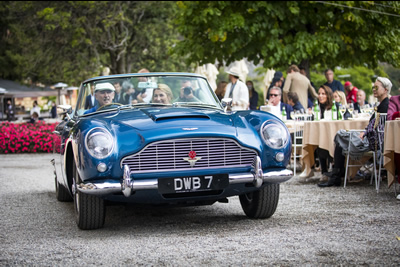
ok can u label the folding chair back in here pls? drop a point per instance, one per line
(380, 132)
(299, 120)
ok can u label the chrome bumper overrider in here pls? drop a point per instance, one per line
(257, 177)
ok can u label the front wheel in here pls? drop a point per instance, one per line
(262, 203)
(90, 210)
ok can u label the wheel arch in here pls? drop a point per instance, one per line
(69, 159)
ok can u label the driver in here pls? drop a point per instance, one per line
(104, 94)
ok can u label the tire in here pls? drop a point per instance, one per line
(62, 193)
(261, 204)
(89, 209)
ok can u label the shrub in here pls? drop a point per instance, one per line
(28, 138)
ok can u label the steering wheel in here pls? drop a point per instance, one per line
(107, 105)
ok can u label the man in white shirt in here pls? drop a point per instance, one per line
(237, 90)
(35, 108)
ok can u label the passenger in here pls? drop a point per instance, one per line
(162, 94)
(187, 93)
(104, 94)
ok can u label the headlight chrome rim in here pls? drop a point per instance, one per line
(98, 131)
(268, 124)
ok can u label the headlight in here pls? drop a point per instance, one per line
(274, 134)
(99, 143)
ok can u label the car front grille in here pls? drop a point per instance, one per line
(170, 155)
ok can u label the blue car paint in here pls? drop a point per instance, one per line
(134, 129)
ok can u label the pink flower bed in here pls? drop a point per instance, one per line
(28, 138)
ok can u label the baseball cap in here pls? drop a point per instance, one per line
(104, 86)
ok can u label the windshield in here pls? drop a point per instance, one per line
(138, 91)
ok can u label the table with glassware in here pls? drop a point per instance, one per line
(321, 134)
(391, 146)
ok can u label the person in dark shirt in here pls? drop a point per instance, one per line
(293, 100)
(333, 84)
(253, 95)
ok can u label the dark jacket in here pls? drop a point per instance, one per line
(335, 85)
(88, 102)
(254, 100)
(298, 106)
(288, 109)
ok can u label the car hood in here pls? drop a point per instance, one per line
(158, 123)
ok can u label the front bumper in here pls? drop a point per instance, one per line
(128, 186)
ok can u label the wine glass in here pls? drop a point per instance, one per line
(342, 110)
(292, 115)
(350, 107)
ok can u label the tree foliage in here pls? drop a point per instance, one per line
(280, 33)
(73, 40)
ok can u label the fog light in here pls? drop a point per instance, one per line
(280, 156)
(102, 167)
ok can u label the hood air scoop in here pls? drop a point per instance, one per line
(174, 113)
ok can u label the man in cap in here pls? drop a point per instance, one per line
(237, 90)
(351, 91)
(104, 94)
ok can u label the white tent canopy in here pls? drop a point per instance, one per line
(210, 72)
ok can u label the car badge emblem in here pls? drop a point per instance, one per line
(192, 158)
(189, 129)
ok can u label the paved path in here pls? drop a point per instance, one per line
(312, 226)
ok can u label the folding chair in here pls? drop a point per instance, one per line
(360, 164)
(380, 131)
(299, 120)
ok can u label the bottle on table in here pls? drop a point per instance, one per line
(334, 111)
(284, 116)
(317, 111)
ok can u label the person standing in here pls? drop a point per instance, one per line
(53, 110)
(298, 83)
(35, 108)
(118, 93)
(253, 95)
(278, 80)
(10, 111)
(237, 90)
(333, 84)
(351, 91)
(220, 91)
(90, 99)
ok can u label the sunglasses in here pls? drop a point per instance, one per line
(274, 95)
(375, 87)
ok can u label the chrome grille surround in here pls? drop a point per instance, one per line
(168, 155)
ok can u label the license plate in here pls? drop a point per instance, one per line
(192, 184)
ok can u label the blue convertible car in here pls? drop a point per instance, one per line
(164, 138)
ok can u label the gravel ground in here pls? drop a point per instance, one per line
(312, 226)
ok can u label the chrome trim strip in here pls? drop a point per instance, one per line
(237, 178)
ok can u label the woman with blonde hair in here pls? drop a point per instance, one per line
(340, 97)
(162, 94)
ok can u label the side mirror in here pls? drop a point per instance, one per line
(227, 104)
(65, 110)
